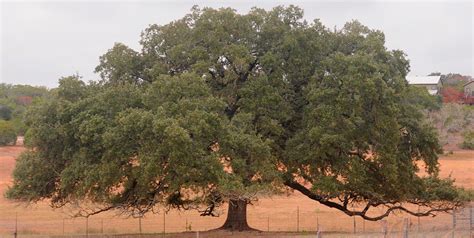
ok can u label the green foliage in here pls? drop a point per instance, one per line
(444, 190)
(71, 88)
(7, 133)
(120, 64)
(468, 140)
(421, 97)
(5, 113)
(196, 118)
(31, 164)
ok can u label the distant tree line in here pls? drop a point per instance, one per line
(14, 100)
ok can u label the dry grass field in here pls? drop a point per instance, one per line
(277, 214)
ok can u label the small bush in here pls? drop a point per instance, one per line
(5, 112)
(19, 126)
(468, 142)
(7, 133)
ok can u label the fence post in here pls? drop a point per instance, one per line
(405, 230)
(384, 228)
(16, 226)
(63, 226)
(470, 220)
(87, 227)
(419, 223)
(268, 224)
(454, 223)
(102, 226)
(164, 223)
(140, 225)
(363, 225)
(297, 218)
(317, 224)
(355, 228)
(318, 232)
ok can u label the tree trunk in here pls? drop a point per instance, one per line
(236, 216)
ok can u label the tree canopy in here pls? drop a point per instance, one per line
(224, 107)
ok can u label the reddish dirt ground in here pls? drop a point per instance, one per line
(278, 213)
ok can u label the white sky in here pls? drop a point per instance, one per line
(43, 40)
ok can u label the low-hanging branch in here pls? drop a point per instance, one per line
(391, 206)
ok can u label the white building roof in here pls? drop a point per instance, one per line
(468, 83)
(423, 79)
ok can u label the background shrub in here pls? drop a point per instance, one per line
(7, 133)
(468, 142)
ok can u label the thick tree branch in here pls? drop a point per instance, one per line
(391, 206)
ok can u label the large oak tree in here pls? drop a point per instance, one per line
(221, 107)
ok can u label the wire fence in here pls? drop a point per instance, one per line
(300, 222)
